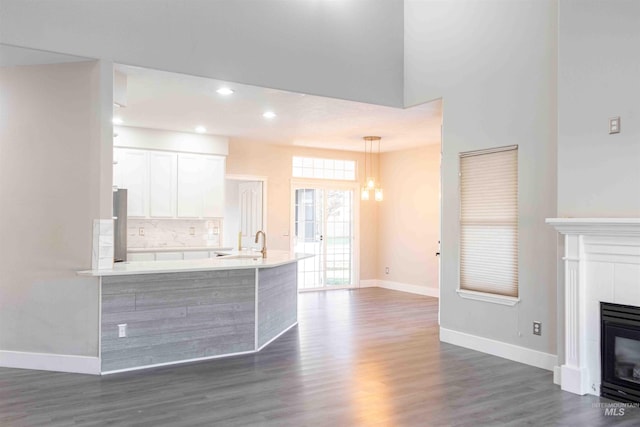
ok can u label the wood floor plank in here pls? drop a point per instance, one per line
(370, 357)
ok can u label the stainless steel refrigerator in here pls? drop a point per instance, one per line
(120, 225)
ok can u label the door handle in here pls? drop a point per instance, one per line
(437, 253)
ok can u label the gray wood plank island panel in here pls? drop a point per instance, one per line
(174, 317)
(182, 311)
(277, 301)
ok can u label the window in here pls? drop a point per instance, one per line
(308, 167)
(489, 223)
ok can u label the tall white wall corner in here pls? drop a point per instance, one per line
(102, 254)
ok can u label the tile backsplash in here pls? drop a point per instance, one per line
(161, 233)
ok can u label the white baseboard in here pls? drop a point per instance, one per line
(370, 283)
(50, 362)
(178, 362)
(402, 287)
(498, 348)
(557, 375)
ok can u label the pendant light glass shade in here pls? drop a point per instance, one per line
(372, 181)
(364, 195)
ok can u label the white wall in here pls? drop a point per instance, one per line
(50, 187)
(349, 49)
(409, 217)
(598, 78)
(494, 64)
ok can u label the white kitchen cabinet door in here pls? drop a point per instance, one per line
(131, 173)
(190, 186)
(213, 187)
(162, 184)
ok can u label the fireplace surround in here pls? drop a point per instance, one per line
(601, 264)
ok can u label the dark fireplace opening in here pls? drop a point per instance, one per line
(620, 352)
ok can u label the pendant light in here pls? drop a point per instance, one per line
(379, 196)
(371, 183)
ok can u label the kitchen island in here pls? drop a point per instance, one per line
(179, 311)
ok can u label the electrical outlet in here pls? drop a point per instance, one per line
(122, 330)
(192, 231)
(537, 328)
(386, 270)
(141, 231)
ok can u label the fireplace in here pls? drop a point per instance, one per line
(620, 352)
(601, 265)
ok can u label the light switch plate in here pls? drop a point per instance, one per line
(614, 125)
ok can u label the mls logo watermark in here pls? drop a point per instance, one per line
(614, 412)
(616, 409)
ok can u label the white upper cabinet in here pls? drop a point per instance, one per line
(162, 184)
(213, 187)
(200, 186)
(130, 172)
(189, 186)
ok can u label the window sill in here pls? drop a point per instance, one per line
(482, 296)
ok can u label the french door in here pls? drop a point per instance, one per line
(324, 224)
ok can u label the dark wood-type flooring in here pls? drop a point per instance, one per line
(368, 357)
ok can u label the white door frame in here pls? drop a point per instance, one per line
(327, 184)
(261, 178)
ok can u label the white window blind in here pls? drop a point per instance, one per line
(489, 221)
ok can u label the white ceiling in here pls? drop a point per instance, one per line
(11, 56)
(162, 100)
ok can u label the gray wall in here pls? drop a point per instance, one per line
(494, 64)
(349, 49)
(50, 191)
(598, 78)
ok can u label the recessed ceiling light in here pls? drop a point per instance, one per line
(224, 91)
(117, 121)
(201, 129)
(269, 115)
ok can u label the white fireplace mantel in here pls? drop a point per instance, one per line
(602, 264)
(597, 226)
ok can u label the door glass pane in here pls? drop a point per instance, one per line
(339, 237)
(324, 227)
(308, 232)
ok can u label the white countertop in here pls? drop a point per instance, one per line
(237, 260)
(178, 249)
